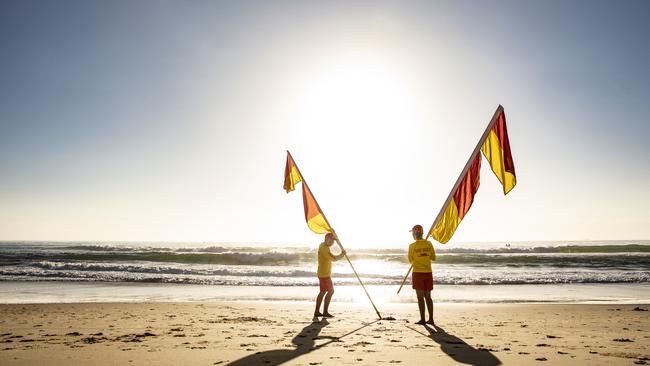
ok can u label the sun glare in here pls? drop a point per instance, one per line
(356, 94)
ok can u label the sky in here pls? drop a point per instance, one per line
(155, 120)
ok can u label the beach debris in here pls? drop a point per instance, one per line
(543, 345)
(639, 309)
(552, 336)
(388, 318)
(622, 340)
(562, 353)
(74, 334)
(541, 359)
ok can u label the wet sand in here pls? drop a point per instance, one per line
(271, 333)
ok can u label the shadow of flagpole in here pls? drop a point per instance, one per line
(305, 342)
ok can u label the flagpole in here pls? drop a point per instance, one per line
(336, 237)
(496, 114)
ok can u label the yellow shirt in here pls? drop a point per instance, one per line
(325, 258)
(421, 254)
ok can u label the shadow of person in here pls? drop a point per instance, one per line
(458, 349)
(304, 342)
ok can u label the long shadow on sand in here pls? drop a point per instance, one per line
(458, 349)
(304, 342)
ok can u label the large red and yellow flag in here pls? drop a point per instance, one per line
(460, 202)
(313, 215)
(496, 149)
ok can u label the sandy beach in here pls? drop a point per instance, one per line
(258, 333)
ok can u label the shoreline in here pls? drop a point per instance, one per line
(54, 292)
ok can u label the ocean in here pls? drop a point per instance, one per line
(612, 271)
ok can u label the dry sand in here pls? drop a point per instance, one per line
(271, 333)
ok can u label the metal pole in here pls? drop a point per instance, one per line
(335, 236)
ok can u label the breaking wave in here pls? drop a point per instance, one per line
(248, 265)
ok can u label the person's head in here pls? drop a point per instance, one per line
(417, 232)
(329, 239)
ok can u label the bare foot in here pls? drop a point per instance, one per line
(327, 315)
(317, 314)
(430, 321)
(421, 322)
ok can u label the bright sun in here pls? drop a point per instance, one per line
(354, 93)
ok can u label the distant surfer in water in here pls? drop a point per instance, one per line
(420, 255)
(325, 258)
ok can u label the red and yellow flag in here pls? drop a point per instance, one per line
(313, 215)
(459, 204)
(291, 175)
(496, 148)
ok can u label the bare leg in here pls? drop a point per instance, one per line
(427, 297)
(319, 300)
(420, 295)
(326, 306)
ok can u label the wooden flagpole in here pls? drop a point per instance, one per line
(336, 238)
(460, 178)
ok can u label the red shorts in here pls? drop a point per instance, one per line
(325, 284)
(423, 281)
